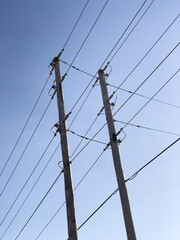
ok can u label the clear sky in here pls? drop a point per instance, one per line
(32, 33)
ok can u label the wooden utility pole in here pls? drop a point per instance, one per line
(117, 161)
(71, 217)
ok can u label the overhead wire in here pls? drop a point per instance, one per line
(7, 228)
(147, 128)
(70, 65)
(143, 96)
(97, 209)
(22, 229)
(152, 97)
(166, 30)
(27, 180)
(126, 100)
(37, 126)
(80, 181)
(75, 24)
(86, 138)
(128, 179)
(104, 60)
(130, 32)
(146, 78)
(87, 36)
(152, 160)
(28, 119)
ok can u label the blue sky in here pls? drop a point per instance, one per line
(32, 34)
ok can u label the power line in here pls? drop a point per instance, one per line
(86, 138)
(75, 24)
(81, 180)
(103, 62)
(38, 205)
(128, 98)
(152, 97)
(124, 31)
(76, 68)
(131, 31)
(87, 35)
(28, 119)
(149, 51)
(27, 180)
(136, 173)
(26, 146)
(147, 128)
(107, 199)
(130, 178)
(70, 65)
(30, 192)
(129, 73)
(146, 78)
(143, 96)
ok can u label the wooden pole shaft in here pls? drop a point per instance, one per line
(71, 216)
(117, 161)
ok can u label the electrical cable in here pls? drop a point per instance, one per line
(26, 146)
(75, 24)
(27, 180)
(147, 128)
(81, 180)
(76, 68)
(104, 60)
(143, 96)
(152, 98)
(108, 198)
(87, 36)
(38, 205)
(136, 173)
(166, 30)
(29, 192)
(28, 119)
(131, 31)
(70, 65)
(86, 138)
(124, 31)
(147, 78)
(131, 178)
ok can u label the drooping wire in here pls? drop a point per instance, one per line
(76, 68)
(26, 182)
(143, 96)
(86, 138)
(147, 128)
(37, 126)
(28, 119)
(75, 24)
(38, 205)
(30, 192)
(136, 173)
(147, 78)
(152, 97)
